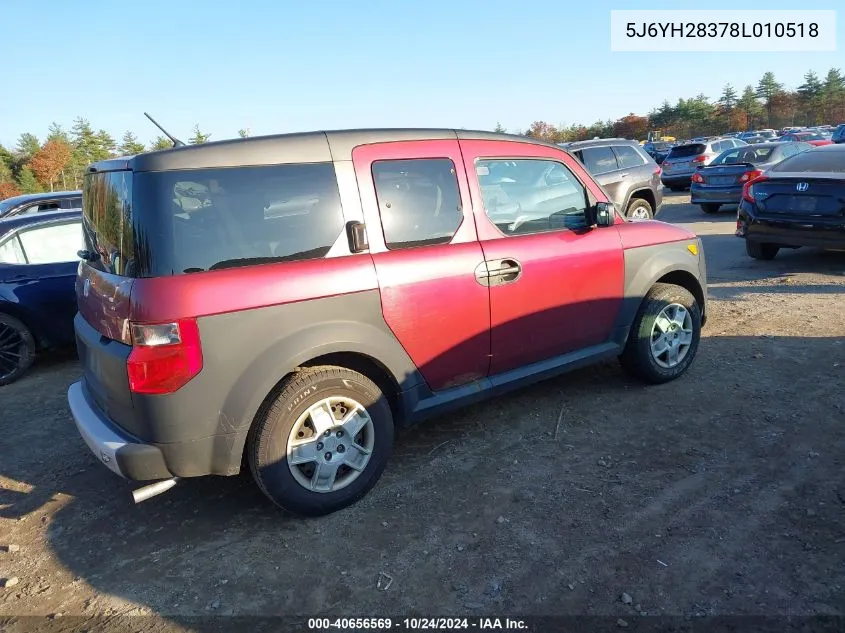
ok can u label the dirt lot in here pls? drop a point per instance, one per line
(720, 493)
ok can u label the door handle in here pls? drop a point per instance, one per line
(625, 175)
(498, 272)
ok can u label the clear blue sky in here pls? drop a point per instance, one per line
(295, 65)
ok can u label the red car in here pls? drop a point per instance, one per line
(806, 137)
(285, 301)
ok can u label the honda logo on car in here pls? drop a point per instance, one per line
(802, 186)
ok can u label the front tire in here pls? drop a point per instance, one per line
(17, 349)
(761, 250)
(664, 336)
(711, 207)
(639, 209)
(324, 441)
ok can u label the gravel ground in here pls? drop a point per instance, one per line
(720, 493)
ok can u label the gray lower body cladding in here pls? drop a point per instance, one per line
(201, 428)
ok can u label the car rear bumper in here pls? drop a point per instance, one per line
(715, 195)
(790, 232)
(119, 452)
(137, 460)
(674, 180)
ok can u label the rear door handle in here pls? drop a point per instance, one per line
(625, 175)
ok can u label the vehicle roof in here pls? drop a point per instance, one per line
(602, 141)
(20, 221)
(31, 197)
(301, 147)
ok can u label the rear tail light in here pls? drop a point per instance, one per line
(699, 159)
(164, 356)
(750, 175)
(696, 177)
(748, 189)
(658, 170)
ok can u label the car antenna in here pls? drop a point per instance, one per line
(176, 141)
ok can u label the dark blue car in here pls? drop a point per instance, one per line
(38, 262)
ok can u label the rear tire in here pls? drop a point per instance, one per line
(17, 349)
(761, 250)
(647, 332)
(639, 209)
(711, 207)
(310, 400)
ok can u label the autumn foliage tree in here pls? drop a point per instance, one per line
(49, 162)
(8, 190)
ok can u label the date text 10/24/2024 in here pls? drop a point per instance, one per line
(416, 624)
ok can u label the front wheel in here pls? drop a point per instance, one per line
(17, 349)
(761, 250)
(710, 207)
(639, 209)
(323, 443)
(664, 336)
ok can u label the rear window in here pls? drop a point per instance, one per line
(684, 151)
(154, 224)
(814, 160)
(628, 156)
(743, 155)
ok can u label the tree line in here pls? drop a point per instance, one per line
(59, 162)
(769, 104)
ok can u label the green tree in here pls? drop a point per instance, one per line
(767, 88)
(728, 99)
(499, 129)
(57, 133)
(833, 94)
(130, 145)
(244, 132)
(161, 142)
(27, 182)
(198, 137)
(749, 104)
(811, 97)
(28, 145)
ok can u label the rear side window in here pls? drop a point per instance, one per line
(685, 151)
(814, 160)
(628, 156)
(107, 224)
(174, 222)
(419, 201)
(599, 160)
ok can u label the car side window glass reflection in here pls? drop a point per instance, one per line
(52, 244)
(11, 251)
(525, 196)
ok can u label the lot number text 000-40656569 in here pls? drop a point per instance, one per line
(723, 31)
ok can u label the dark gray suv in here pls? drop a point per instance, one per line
(627, 173)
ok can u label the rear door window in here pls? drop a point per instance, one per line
(628, 157)
(419, 201)
(599, 160)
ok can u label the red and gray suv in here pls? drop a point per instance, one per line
(285, 301)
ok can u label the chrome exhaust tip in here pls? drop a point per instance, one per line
(142, 494)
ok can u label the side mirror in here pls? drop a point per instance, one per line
(601, 214)
(356, 233)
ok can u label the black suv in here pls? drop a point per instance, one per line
(627, 173)
(839, 134)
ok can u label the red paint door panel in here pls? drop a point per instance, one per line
(430, 297)
(568, 291)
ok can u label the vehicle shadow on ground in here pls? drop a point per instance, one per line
(530, 503)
